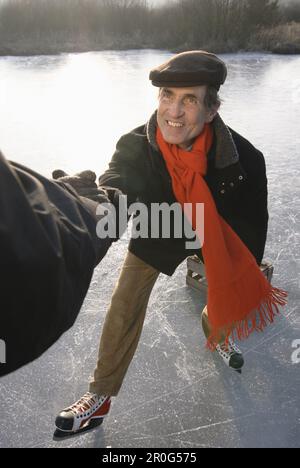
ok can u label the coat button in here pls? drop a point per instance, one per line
(241, 177)
(222, 192)
(231, 184)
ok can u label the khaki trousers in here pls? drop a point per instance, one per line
(123, 325)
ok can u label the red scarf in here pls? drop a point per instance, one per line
(240, 299)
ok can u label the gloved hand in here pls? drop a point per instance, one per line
(112, 193)
(84, 183)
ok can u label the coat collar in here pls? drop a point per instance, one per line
(226, 152)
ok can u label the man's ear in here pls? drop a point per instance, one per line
(211, 113)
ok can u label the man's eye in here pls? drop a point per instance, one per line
(190, 100)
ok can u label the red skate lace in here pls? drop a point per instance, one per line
(85, 403)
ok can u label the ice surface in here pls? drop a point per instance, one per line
(177, 394)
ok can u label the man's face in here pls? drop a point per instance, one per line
(182, 114)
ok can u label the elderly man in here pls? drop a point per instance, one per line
(186, 154)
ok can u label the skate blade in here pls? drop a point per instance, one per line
(239, 370)
(92, 424)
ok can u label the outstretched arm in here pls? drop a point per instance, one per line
(123, 172)
(48, 251)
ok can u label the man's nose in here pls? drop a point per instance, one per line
(176, 109)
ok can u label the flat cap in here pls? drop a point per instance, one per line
(192, 68)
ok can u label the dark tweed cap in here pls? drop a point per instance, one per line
(193, 68)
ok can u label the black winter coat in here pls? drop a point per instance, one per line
(236, 176)
(48, 251)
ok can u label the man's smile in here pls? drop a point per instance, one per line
(173, 124)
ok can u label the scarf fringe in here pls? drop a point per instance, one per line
(257, 320)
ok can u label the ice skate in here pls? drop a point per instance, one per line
(229, 352)
(231, 355)
(85, 414)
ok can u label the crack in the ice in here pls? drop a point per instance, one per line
(208, 426)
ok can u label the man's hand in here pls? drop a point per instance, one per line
(84, 183)
(113, 194)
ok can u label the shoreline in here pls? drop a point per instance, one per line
(283, 39)
(16, 51)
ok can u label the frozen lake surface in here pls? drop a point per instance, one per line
(68, 112)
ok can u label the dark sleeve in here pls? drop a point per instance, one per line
(251, 216)
(259, 213)
(257, 207)
(48, 251)
(124, 172)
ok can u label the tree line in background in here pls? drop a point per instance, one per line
(47, 26)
